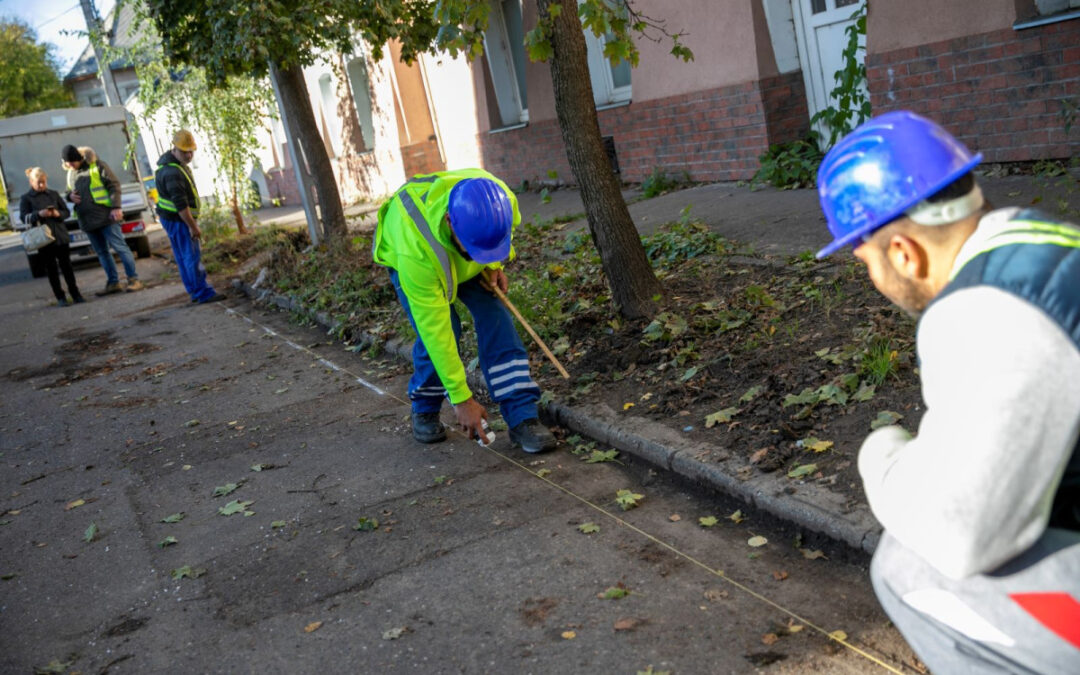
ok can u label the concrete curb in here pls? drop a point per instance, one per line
(803, 504)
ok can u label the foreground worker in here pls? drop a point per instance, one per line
(979, 566)
(444, 237)
(178, 209)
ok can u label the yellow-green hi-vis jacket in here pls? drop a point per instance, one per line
(413, 237)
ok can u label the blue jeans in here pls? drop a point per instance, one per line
(101, 240)
(188, 256)
(503, 358)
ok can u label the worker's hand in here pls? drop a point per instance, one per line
(45, 213)
(470, 418)
(116, 214)
(74, 197)
(196, 233)
(490, 279)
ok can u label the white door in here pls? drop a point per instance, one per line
(819, 28)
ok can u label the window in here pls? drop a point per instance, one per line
(127, 91)
(356, 71)
(330, 117)
(610, 82)
(504, 45)
(1047, 7)
(95, 100)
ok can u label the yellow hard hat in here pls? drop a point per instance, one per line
(183, 140)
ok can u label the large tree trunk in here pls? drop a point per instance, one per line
(630, 276)
(294, 98)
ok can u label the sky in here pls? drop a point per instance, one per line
(50, 18)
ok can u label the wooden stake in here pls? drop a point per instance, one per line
(547, 352)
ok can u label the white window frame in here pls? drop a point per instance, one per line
(361, 94)
(605, 93)
(328, 96)
(513, 111)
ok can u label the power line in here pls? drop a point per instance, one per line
(48, 21)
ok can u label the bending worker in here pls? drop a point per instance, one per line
(979, 566)
(178, 209)
(444, 237)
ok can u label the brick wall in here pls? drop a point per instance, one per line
(282, 183)
(999, 92)
(713, 135)
(421, 158)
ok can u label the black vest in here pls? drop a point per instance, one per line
(1037, 261)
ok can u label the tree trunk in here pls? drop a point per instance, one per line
(237, 215)
(294, 98)
(630, 276)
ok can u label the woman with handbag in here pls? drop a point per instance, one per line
(41, 206)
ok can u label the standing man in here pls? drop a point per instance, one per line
(178, 209)
(95, 192)
(444, 237)
(979, 566)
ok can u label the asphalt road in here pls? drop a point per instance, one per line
(119, 413)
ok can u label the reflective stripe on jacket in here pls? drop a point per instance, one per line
(166, 202)
(414, 238)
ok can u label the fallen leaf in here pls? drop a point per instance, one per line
(8, 577)
(614, 593)
(714, 594)
(780, 575)
(759, 455)
(167, 541)
(627, 624)
(282, 390)
(885, 418)
(222, 490)
(74, 504)
(365, 524)
(793, 627)
(277, 524)
(191, 423)
(812, 555)
(395, 633)
(627, 406)
(769, 638)
(737, 517)
(598, 456)
(54, 666)
(588, 528)
(14, 512)
(235, 506)
(174, 518)
(838, 635)
(543, 473)
(751, 393)
(674, 517)
(568, 635)
(627, 499)
(708, 521)
(186, 467)
(803, 470)
(313, 626)
(757, 541)
(720, 416)
(187, 571)
(90, 533)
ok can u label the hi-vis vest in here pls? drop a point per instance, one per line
(98, 193)
(1037, 260)
(413, 238)
(167, 205)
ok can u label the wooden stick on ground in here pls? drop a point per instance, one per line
(547, 352)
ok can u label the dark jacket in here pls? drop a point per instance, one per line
(34, 201)
(175, 184)
(93, 216)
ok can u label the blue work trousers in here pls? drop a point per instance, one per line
(101, 240)
(503, 358)
(188, 260)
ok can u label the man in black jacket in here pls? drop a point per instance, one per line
(178, 209)
(95, 191)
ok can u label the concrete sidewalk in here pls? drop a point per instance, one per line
(774, 223)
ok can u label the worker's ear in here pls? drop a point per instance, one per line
(907, 256)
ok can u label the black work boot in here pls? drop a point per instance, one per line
(427, 428)
(533, 437)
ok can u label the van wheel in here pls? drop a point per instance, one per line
(142, 247)
(37, 266)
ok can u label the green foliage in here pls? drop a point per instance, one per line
(680, 241)
(879, 361)
(789, 166)
(29, 72)
(852, 104)
(658, 182)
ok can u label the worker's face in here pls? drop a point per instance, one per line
(890, 273)
(39, 183)
(184, 155)
(457, 242)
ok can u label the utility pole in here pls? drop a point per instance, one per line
(300, 165)
(93, 23)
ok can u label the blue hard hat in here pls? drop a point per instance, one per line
(481, 216)
(883, 168)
